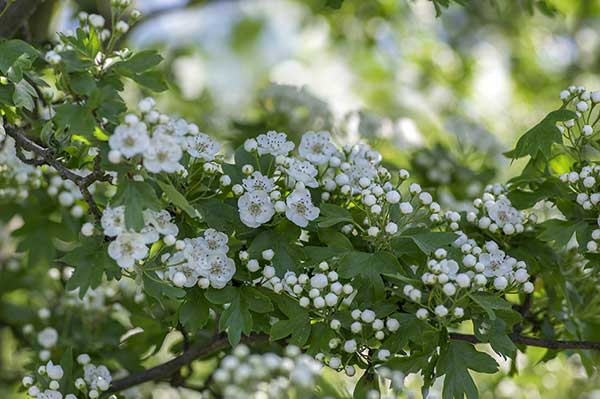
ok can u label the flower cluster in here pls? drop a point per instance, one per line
(130, 246)
(321, 291)
(354, 337)
(45, 384)
(97, 23)
(583, 102)
(160, 141)
(449, 277)
(202, 260)
(496, 214)
(268, 375)
(585, 184)
(17, 177)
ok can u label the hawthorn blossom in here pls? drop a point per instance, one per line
(274, 143)
(316, 147)
(202, 146)
(127, 249)
(113, 221)
(130, 140)
(258, 182)
(300, 209)
(163, 154)
(255, 208)
(97, 377)
(303, 172)
(218, 268)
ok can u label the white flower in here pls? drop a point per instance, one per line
(274, 143)
(502, 212)
(202, 146)
(359, 169)
(49, 394)
(163, 154)
(302, 171)
(255, 208)
(188, 270)
(316, 147)
(130, 140)
(161, 221)
(54, 371)
(300, 209)
(113, 221)
(96, 376)
(127, 248)
(495, 263)
(47, 337)
(219, 269)
(257, 182)
(214, 242)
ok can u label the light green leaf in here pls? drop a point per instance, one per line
(177, 199)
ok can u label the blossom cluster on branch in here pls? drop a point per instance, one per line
(318, 251)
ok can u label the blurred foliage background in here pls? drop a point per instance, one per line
(444, 96)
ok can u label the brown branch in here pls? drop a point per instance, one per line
(201, 350)
(538, 342)
(15, 14)
(196, 351)
(45, 156)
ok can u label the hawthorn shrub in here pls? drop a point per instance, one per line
(276, 260)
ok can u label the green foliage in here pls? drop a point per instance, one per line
(455, 362)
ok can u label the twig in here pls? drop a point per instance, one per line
(538, 342)
(45, 156)
(198, 350)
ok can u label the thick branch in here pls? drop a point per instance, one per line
(202, 350)
(16, 13)
(45, 156)
(196, 351)
(538, 342)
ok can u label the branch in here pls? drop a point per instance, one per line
(538, 342)
(196, 351)
(14, 13)
(201, 350)
(45, 156)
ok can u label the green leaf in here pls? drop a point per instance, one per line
(431, 240)
(66, 362)
(283, 240)
(370, 266)
(141, 61)
(159, 290)
(221, 216)
(90, 261)
(296, 326)
(367, 382)
(177, 199)
(455, 362)
(561, 231)
(332, 215)
(490, 303)
(137, 196)
(11, 50)
(76, 119)
(193, 313)
(237, 318)
(539, 139)
(24, 95)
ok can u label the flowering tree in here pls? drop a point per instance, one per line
(277, 260)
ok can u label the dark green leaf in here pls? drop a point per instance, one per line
(540, 138)
(455, 362)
